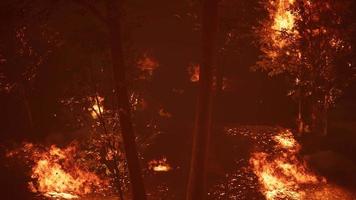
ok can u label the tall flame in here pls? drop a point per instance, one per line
(284, 19)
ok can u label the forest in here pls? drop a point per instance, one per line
(178, 100)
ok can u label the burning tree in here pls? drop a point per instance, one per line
(308, 42)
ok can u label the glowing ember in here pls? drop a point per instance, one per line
(285, 140)
(159, 165)
(56, 195)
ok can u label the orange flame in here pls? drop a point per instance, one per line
(284, 19)
(194, 70)
(97, 107)
(147, 64)
(159, 165)
(56, 174)
(284, 176)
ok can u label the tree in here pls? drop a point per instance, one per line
(308, 42)
(114, 11)
(26, 46)
(325, 43)
(112, 20)
(197, 176)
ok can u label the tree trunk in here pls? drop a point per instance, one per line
(300, 122)
(28, 109)
(325, 116)
(220, 74)
(197, 177)
(123, 104)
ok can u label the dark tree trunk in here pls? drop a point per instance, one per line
(300, 121)
(197, 178)
(220, 74)
(325, 116)
(28, 109)
(123, 104)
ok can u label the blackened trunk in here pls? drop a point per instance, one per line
(198, 167)
(124, 109)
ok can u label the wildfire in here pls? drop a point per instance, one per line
(283, 22)
(56, 174)
(284, 18)
(159, 165)
(284, 176)
(97, 108)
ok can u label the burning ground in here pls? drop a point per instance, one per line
(271, 167)
(275, 170)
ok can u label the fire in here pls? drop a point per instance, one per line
(283, 22)
(284, 19)
(97, 108)
(193, 71)
(147, 64)
(284, 176)
(159, 165)
(57, 174)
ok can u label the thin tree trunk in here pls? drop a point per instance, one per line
(27, 108)
(124, 110)
(220, 74)
(300, 122)
(198, 167)
(325, 116)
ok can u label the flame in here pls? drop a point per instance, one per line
(97, 107)
(147, 64)
(159, 165)
(284, 176)
(284, 19)
(283, 22)
(193, 70)
(56, 174)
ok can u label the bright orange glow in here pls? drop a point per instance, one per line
(56, 174)
(97, 107)
(147, 64)
(285, 176)
(159, 165)
(283, 21)
(193, 71)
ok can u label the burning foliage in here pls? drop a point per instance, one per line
(286, 176)
(274, 171)
(59, 172)
(283, 176)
